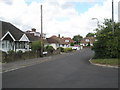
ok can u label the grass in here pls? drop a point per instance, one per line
(112, 62)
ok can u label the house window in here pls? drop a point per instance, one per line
(3, 44)
(26, 45)
(17, 45)
(87, 40)
(0, 44)
(66, 40)
(22, 45)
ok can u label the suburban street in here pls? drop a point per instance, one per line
(71, 70)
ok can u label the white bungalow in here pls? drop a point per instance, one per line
(13, 38)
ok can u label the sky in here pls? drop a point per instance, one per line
(64, 17)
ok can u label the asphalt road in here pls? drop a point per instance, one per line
(71, 71)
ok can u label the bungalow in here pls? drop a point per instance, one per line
(87, 41)
(57, 42)
(13, 38)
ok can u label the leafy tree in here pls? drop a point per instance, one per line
(90, 35)
(36, 45)
(77, 39)
(108, 43)
(72, 44)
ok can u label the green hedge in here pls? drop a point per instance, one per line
(67, 50)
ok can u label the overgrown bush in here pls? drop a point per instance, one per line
(50, 49)
(19, 54)
(61, 49)
(108, 43)
(11, 52)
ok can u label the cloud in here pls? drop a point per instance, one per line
(9, 2)
(59, 16)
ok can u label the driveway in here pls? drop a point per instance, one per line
(67, 71)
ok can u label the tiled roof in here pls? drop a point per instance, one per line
(16, 33)
(32, 37)
(55, 39)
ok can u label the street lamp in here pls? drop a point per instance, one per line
(97, 21)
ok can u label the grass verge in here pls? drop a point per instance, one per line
(112, 62)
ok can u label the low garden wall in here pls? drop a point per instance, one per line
(14, 56)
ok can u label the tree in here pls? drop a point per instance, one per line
(36, 46)
(77, 39)
(107, 44)
(71, 44)
(90, 35)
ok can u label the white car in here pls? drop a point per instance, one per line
(75, 48)
(45, 53)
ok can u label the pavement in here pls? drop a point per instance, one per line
(7, 67)
(72, 70)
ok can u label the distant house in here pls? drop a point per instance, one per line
(67, 42)
(57, 42)
(33, 32)
(14, 39)
(87, 41)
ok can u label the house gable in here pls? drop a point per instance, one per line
(24, 38)
(8, 33)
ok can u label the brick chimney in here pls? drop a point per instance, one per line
(59, 35)
(33, 29)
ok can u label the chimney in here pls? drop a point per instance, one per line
(59, 35)
(33, 29)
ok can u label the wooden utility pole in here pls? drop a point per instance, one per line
(112, 16)
(41, 32)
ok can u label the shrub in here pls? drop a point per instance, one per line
(107, 44)
(50, 49)
(61, 49)
(71, 44)
(36, 45)
(19, 54)
(67, 50)
(11, 52)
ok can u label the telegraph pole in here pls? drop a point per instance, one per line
(112, 16)
(41, 32)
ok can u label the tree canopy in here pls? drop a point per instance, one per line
(36, 45)
(108, 43)
(90, 35)
(77, 39)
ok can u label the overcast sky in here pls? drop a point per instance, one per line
(64, 17)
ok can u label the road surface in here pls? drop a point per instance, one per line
(69, 71)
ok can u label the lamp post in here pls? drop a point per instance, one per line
(97, 21)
